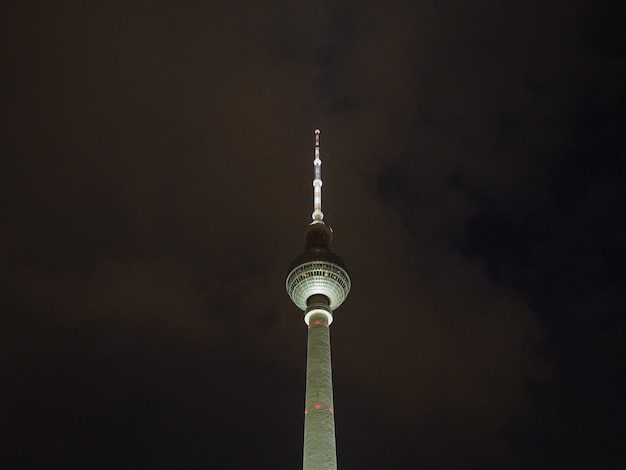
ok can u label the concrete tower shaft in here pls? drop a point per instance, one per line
(319, 420)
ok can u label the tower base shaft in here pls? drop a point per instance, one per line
(319, 421)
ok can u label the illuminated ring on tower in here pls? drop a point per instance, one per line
(318, 278)
(313, 309)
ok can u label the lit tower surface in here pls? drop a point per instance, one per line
(318, 283)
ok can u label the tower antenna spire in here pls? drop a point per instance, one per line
(318, 215)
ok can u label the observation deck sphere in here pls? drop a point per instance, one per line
(318, 272)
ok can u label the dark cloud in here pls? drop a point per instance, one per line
(156, 185)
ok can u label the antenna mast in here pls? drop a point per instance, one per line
(318, 215)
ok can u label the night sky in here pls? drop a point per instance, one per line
(156, 184)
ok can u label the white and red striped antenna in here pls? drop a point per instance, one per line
(318, 215)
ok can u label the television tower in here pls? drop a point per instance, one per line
(318, 283)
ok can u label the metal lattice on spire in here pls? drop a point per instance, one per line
(318, 215)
